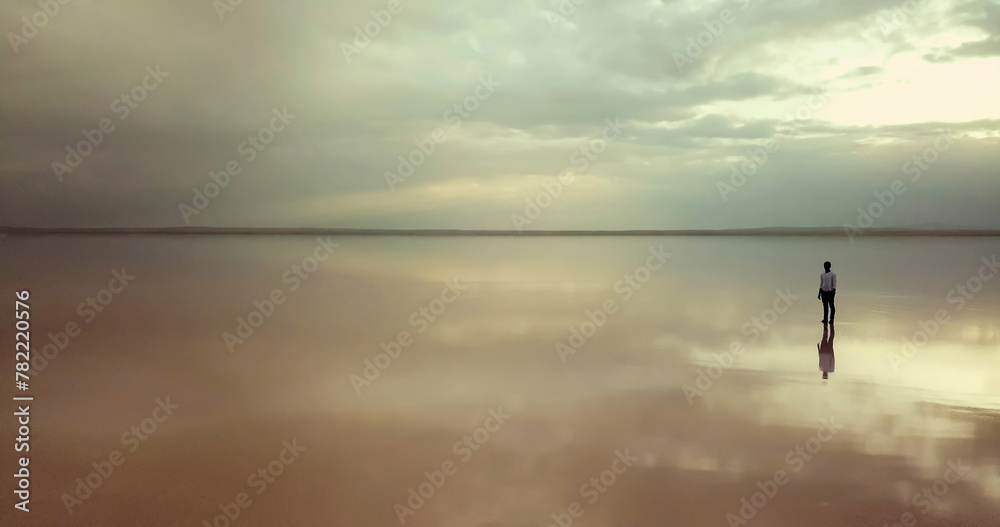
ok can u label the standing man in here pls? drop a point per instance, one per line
(827, 290)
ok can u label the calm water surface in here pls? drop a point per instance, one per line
(895, 433)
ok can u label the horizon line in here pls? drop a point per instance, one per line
(755, 231)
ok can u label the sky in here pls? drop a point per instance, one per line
(532, 114)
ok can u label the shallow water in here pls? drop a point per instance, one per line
(704, 430)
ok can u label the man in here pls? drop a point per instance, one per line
(827, 290)
(825, 347)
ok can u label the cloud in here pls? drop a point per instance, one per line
(557, 84)
(864, 71)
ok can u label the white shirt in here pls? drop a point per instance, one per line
(828, 281)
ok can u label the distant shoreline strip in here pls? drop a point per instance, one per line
(223, 231)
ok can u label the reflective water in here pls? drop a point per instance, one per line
(688, 386)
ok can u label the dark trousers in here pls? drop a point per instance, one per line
(827, 297)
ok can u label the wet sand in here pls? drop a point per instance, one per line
(543, 381)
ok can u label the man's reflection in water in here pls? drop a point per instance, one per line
(825, 348)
